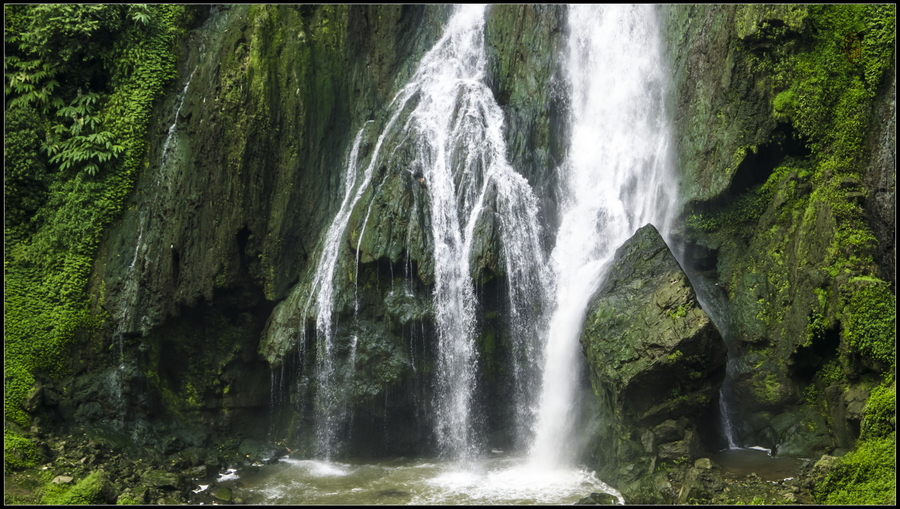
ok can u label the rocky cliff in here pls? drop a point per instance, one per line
(158, 305)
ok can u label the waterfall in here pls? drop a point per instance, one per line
(617, 177)
(448, 119)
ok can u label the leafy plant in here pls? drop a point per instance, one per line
(81, 81)
(880, 417)
(869, 323)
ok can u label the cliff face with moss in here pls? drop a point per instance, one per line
(784, 118)
(785, 207)
(152, 284)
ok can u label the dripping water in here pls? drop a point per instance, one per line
(126, 320)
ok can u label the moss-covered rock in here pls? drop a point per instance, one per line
(656, 364)
(789, 228)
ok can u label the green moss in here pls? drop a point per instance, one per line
(679, 312)
(18, 452)
(864, 476)
(86, 492)
(869, 320)
(880, 415)
(675, 356)
(746, 208)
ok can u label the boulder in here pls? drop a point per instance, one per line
(162, 479)
(656, 361)
(223, 494)
(598, 499)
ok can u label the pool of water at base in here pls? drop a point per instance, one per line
(497, 480)
(742, 462)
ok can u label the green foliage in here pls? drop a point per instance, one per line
(869, 322)
(866, 475)
(81, 81)
(811, 394)
(26, 176)
(880, 415)
(746, 208)
(679, 312)
(831, 372)
(822, 91)
(86, 492)
(18, 452)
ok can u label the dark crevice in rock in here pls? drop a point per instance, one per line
(808, 359)
(176, 266)
(756, 167)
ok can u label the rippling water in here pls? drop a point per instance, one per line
(499, 480)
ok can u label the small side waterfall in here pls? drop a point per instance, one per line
(448, 119)
(617, 178)
(170, 134)
(126, 321)
(715, 303)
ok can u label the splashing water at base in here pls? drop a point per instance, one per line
(499, 480)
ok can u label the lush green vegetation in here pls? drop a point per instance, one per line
(81, 81)
(85, 492)
(870, 322)
(19, 452)
(746, 209)
(808, 217)
(867, 475)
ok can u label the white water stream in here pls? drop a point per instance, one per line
(617, 178)
(448, 118)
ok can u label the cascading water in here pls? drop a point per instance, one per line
(716, 306)
(616, 179)
(448, 119)
(170, 135)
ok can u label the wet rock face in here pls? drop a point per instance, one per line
(524, 44)
(881, 181)
(656, 363)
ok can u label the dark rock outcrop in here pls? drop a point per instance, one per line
(656, 363)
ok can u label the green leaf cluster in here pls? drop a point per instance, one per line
(870, 322)
(81, 81)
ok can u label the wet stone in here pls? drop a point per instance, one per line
(162, 479)
(598, 499)
(704, 463)
(62, 479)
(223, 494)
